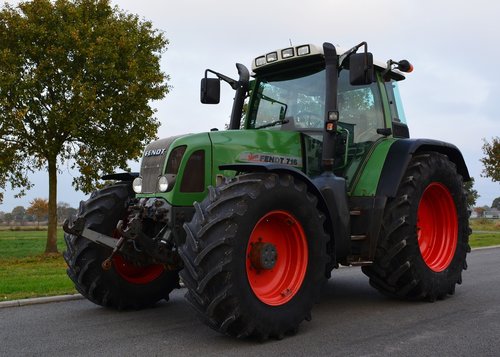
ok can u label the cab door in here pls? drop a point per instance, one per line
(362, 124)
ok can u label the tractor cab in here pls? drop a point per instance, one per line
(295, 101)
(290, 92)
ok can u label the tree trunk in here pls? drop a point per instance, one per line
(51, 246)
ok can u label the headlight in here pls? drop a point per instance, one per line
(260, 61)
(287, 53)
(137, 185)
(163, 184)
(303, 50)
(272, 57)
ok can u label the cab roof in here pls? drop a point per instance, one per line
(294, 53)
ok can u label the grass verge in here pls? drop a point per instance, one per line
(34, 277)
(25, 272)
(484, 224)
(481, 240)
(485, 232)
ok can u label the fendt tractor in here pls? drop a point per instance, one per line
(316, 170)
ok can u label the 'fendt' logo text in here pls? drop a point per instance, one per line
(156, 152)
(270, 158)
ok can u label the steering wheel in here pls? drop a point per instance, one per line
(308, 119)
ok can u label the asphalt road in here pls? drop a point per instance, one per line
(352, 320)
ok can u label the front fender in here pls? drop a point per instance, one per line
(121, 176)
(331, 192)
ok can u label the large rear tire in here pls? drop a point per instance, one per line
(125, 285)
(255, 256)
(423, 243)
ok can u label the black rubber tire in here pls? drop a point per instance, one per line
(399, 270)
(214, 255)
(84, 258)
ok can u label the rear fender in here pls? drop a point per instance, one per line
(400, 154)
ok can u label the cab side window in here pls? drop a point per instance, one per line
(360, 109)
(399, 127)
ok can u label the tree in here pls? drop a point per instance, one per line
(39, 208)
(8, 218)
(65, 211)
(472, 194)
(491, 161)
(18, 214)
(76, 81)
(496, 203)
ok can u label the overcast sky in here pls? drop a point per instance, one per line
(453, 45)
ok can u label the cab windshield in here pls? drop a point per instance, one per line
(296, 101)
(289, 101)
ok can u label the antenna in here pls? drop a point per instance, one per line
(290, 42)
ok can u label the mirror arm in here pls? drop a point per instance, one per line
(351, 51)
(385, 73)
(232, 82)
(403, 66)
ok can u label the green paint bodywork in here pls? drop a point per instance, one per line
(365, 184)
(230, 146)
(193, 143)
(226, 147)
(233, 146)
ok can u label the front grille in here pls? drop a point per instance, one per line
(153, 162)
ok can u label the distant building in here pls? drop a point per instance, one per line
(493, 213)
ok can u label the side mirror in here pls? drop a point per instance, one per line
(210, 91)
(361, 70)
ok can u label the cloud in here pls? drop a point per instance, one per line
(450, 84)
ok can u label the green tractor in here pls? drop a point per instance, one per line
(317, 170)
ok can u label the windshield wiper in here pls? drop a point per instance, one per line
(273, 123)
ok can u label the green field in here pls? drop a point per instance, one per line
(26, 272)
(483, 224)
(485, 232)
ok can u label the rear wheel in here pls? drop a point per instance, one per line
(126, 284)
(255, 256)
(423, 243)
(437, 227)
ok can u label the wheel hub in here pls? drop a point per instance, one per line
(276, 280)
(263, 256)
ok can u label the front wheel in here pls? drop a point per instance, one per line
(126, 284)
(424, 237)
(255, 256)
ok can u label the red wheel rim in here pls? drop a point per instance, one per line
(136, 274)
(278, 285)
(437, 227)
